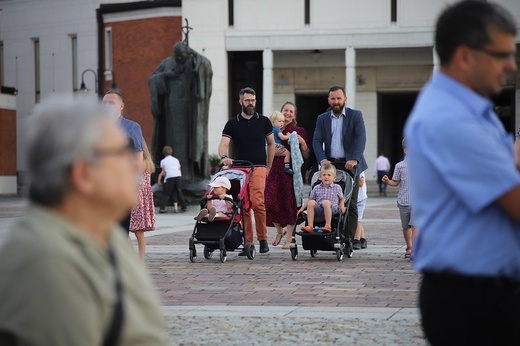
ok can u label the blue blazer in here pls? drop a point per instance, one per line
(354, 137)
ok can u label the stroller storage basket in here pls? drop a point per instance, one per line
(211, 233)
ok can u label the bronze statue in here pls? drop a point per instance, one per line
(180, 89)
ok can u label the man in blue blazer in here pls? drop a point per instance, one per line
(340, 136)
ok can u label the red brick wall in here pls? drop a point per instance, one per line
(7, 142)
(138, 46)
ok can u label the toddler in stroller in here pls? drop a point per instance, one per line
(218, 203)
(218, 225)
(325, 200)
(329, 211)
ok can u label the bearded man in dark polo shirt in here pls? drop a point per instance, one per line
(249, 132)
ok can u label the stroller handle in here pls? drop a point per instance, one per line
(338, 165)
(240, 163)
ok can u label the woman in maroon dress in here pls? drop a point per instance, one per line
(280, 201)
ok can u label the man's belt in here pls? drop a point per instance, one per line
(473, 280)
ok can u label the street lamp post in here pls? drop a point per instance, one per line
(83, 89)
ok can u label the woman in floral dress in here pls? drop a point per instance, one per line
(142, 218)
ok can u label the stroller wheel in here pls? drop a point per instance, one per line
(294, 253)
(349, 249)
(339, 254)
(223, 256)
(207, 252)
(250, 251)
(313, 253)
(193, 254)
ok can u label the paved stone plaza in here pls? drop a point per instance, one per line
(370, 299)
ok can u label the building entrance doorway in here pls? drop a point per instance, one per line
(505, 109)
(309, 107)
(393, 110)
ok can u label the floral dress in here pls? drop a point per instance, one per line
(143, 214)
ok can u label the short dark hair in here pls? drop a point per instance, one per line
(470, 23)
(115, 92)
(246, 90)
(336, 88)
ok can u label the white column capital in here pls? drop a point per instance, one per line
(350, 76)
(350, 56)
(267, 58)
(268, 87)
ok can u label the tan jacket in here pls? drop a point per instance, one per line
(57, 286)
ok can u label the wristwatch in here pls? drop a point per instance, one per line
(223, 157)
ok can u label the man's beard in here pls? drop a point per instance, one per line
(338, 109)
(249, 110)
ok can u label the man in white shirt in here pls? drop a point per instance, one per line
(171, 171)
(381, 168)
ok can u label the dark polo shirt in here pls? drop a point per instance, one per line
(248, 137)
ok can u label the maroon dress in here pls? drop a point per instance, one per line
(280, 202)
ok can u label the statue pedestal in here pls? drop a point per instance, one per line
(194, 190)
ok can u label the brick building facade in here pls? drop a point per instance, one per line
(54, 46)
(140, 40)
(8, 171)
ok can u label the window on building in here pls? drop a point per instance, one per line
(74, 56)
(393, 11)
(231, 12)
(108, 49)
(37, 84)
(307, 11)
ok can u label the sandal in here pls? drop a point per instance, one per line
(307, 229)
(279, 236)
(287, 245)
(212, 213)
(408, 252)
(201, 215)
(326, 229)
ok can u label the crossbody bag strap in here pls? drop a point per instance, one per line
(114, 331)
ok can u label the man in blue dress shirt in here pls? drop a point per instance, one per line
(464, 184)
(114, 100)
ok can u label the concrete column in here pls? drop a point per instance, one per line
(436, 61)
(267, 102)
(350, 76)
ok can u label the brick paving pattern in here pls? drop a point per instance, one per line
(370, 299)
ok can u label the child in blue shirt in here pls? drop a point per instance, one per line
(278, 121)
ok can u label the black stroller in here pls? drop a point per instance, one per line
(226, 234)
(339, 240)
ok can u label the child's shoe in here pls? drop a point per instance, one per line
(326, 229)
(308, 229)
(212, 213)
(288, 170)
(202, 213)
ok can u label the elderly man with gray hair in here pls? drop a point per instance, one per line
(69, 276)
